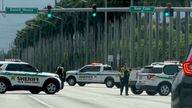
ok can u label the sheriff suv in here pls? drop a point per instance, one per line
(93, 73)
(157, 77)
(22, 76)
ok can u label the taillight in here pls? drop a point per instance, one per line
(149, 77)
(187, 68)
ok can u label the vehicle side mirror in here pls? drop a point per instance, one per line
(37, 70)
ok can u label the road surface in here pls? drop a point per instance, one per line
(89, 96)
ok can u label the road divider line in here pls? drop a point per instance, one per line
(41, 102)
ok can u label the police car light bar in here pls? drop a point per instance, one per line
(176, 62)
(13, 60)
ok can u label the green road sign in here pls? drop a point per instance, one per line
(21, 10)
(142, 9)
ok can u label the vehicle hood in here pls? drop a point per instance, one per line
(49, 74)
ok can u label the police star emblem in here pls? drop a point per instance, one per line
(12, 77)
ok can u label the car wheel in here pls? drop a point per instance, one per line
(35, 91)
(164, 89)
(136, 91)
(51, 87)
(151, 93)
(71, 81)
(3, 87)
(81, 84)
(109, 83)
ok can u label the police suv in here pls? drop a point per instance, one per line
(157, 77)
(22, 76)
(93, 73)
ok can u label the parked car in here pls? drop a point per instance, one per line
(16, 75)
(157, 78)
(94, 73)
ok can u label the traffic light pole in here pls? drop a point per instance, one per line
(106, 43)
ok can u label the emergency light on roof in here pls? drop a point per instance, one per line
(176, 62)
(96, 63)
(13, 60)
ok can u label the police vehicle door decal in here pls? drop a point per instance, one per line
(88, 74)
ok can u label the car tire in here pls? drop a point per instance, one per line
(151, 93)
(71, 81)
(3, 87)
(136, 91)
(109, 83)
(51, 87)
(164, 89)
(35, 91)
(81, 84)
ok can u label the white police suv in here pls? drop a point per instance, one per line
(93, 73)
(157, 78)
(22, 76)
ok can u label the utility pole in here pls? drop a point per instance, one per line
(131, 39)
(106, 41)
(178, 25)
(187, 14)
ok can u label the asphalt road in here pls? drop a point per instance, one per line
(90, 96)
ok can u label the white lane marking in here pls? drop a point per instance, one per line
(41, 102)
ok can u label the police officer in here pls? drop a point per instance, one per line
(124, 78)
(61, 73)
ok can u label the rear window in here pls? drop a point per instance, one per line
(91, 69)
(13, 67)
(171, 69)
(107, 68)
(152, 70)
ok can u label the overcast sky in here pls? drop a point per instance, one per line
(9, 24)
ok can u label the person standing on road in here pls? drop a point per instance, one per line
(124, 79)
(60, 72)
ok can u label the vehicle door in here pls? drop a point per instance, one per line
(107, 72)
(15, 74)
(89, 74)
(170, 71)
(33, 77)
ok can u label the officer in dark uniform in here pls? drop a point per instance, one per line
(124, 78)
(60, 72)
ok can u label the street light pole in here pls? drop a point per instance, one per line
(34, 53)
(61, 34)
(106, 44)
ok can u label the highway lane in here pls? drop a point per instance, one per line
(90, 96)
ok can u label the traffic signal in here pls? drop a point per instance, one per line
(49, 14)
(94, 8)
(169, 11)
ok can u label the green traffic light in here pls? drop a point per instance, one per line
(49, 15)
(94, 14)
(166, 14)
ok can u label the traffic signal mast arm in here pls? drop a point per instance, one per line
(109, 9)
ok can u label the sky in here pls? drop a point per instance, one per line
(9, 23)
